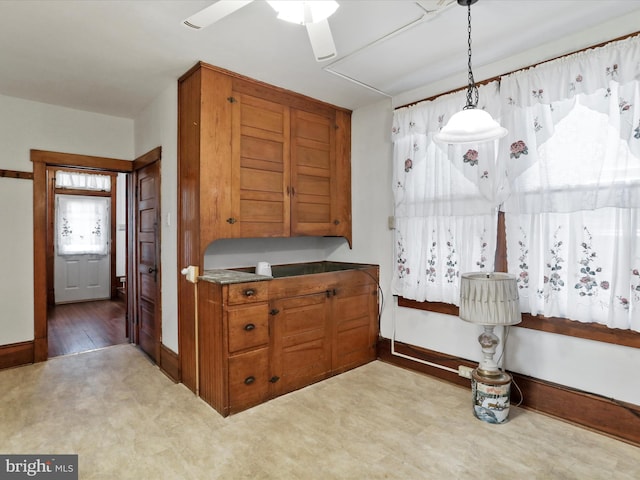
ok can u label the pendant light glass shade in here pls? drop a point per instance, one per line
(470, 125)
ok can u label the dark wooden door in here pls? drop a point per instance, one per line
(148, 259)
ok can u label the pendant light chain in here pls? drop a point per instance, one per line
(472, 89)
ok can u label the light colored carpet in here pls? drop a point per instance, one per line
(127, 420)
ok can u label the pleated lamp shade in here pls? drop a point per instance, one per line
(489, 298)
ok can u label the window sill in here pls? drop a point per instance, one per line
(561, 326)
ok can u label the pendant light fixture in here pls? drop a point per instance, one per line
(471, 124)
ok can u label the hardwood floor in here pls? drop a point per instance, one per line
(79, 327)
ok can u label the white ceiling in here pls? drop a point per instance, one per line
(115, 57)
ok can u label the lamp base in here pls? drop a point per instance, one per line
(491, 396)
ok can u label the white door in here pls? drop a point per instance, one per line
(82, 256)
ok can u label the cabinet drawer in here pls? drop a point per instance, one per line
(248, 379)
(250, 292)
(248, 326)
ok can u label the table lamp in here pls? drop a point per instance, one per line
(490, 299)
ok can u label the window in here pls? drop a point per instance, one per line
(446, 201)
(568, 180)
(81, 225)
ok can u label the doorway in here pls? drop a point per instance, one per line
(42, 247)
(86, 237)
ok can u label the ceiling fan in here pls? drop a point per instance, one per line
(312, 14)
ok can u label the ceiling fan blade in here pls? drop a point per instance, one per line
(214, 12)
(321, 40)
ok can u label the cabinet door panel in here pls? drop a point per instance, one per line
(315, 212)
(355, 332)
(301, 341)
(313, 174)
(260, 156)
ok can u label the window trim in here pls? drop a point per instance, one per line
(558, 325)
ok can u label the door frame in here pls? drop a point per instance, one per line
(42, 159)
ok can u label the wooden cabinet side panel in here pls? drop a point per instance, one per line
(212, 352)
(188, 217)
(215, 153)
(343, 175)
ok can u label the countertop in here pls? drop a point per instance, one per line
(226, 277)
(242, 275)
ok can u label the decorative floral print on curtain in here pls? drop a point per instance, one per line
(446, 200)
(573, 157)
(82, 225)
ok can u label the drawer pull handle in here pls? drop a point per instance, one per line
(249, 380)
(249, 326)
(249, 292)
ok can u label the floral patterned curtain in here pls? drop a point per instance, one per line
(573, 160)
(446, 200)
(82, 225)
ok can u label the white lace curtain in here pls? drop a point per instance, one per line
(574, 163)
(83, 181)
(82, 225)
(446, 200)
(567, 176)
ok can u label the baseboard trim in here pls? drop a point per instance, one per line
(16, 354)
(170, 363)
(610, 417)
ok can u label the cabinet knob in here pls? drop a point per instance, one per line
(249, 380)
(336, 222)
(231, 220)
(274, 311)
(249, 292)
(274, 379)
(249, 326)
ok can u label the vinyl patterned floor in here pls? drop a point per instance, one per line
(127, 420)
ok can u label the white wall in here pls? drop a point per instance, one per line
(26, 125)
(596, 367)
(371, 196)
(157, 126)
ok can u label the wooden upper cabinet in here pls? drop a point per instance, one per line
(259, 161)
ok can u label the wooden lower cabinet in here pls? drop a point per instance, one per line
(301, 348)
(263, 339)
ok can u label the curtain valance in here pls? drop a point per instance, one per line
(580, 73)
